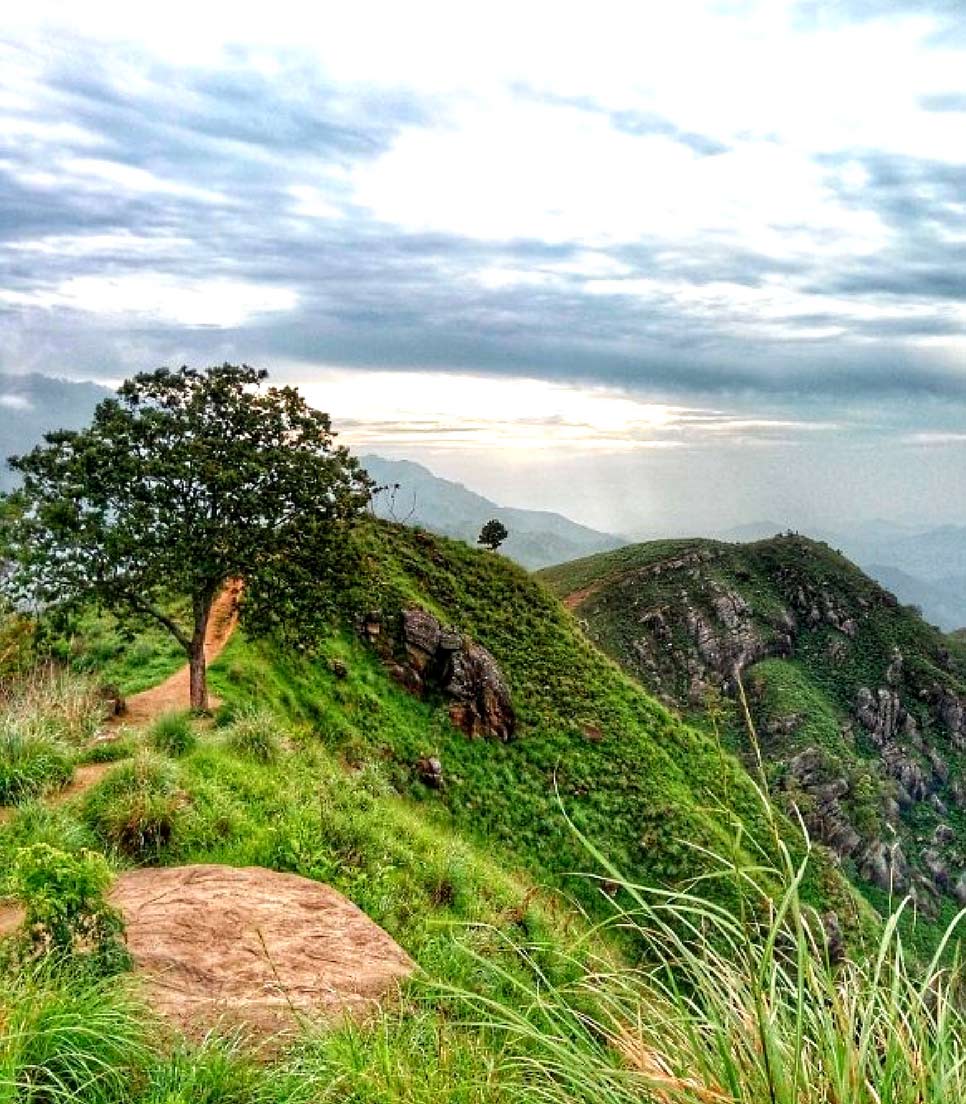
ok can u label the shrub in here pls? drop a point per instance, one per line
(29, 763)
(66, 911)
(136, 808)
(53, 704)
(254, 734)
(173, 734)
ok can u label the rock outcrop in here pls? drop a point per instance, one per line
(442, 660)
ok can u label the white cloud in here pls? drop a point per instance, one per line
(15, 402)
(454, 413)
(217, 302)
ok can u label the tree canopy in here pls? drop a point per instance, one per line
(184, 481)
(493, 534)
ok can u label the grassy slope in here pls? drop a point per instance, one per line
(641, 785)
(344, 803)
(818, 685)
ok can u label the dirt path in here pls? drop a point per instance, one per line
(169, 696)
(578, 597)
(172, 695)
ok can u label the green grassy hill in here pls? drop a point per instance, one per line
(859, 705)
(316, 764)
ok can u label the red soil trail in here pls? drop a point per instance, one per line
(173, 695)
(578, 597)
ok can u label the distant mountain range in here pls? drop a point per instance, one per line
(925, 568)
(537, 538)
(33, 405)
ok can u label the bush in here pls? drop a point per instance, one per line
(254, 734)
(173, 734)
(30, 764)
(137, 807)
(52, 704)
(66, 910)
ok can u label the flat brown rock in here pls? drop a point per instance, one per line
(251, 947)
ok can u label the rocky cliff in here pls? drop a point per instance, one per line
(857, 705)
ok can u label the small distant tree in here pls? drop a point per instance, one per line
(186, 480)
(493, 534)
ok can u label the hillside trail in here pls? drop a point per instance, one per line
(170, 696)
(173, 695)
(578, 597)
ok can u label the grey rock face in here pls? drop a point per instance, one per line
(462, 670)
(883, 715)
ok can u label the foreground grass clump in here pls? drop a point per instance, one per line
(69, 1037)
(45, 716)
(760, 1007)
(30, 764)
(136, 808)
(173, 734)
(54, 704)
(254, 734)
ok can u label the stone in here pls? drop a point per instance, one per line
(220, 946)
(430, 771)
(463, 671)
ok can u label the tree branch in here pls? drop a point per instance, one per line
(162, 618)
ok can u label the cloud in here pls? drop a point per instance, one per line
(670, 205)
(15, 402)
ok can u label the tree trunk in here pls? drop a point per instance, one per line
(197, 666)
(197, 676)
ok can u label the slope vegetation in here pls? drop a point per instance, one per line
(859, 705)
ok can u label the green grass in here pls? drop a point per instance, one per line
(799, 703)
(137, 809)
(173, 734)
(254, 733)
(98, 644)
(30, 765)
(750, 1008)
(464, 877)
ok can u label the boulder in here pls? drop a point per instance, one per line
(252, 948)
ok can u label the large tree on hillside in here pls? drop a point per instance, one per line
(186, 480)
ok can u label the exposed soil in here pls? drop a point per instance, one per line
(173, 694)
(578, 597)
(253, 948)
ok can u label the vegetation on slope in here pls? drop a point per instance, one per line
(313, 766)
(859, 705)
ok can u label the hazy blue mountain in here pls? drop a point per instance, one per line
(537, 538)
(943, 602)
(31, 406)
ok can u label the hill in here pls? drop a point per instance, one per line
(537, 537)
(922, 566)
(419, 756)
(859, 706)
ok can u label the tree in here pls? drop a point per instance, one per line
(186, 480)
(493, 534)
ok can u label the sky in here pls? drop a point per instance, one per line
(661, 267)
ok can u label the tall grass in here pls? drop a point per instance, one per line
(756, 1006)
(69, 1037)
(52, 703)
(44, 717)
